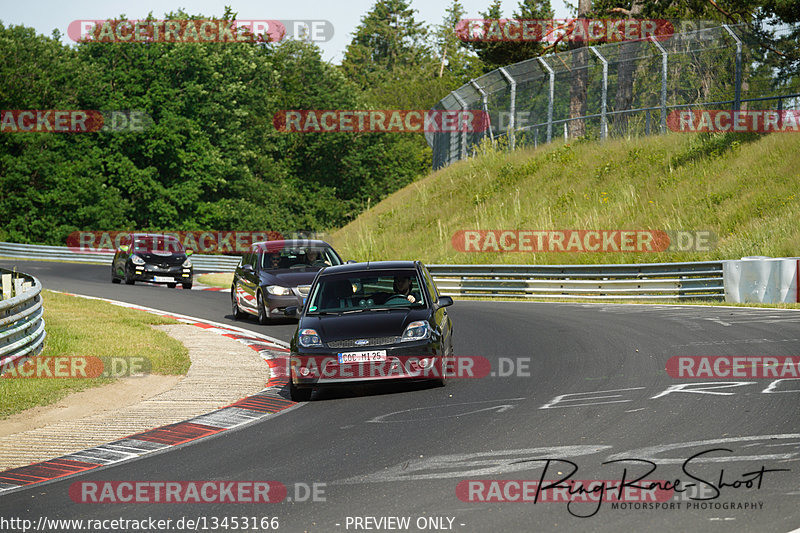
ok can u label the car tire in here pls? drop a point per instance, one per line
(443, 368)
(128, 278)
(114, 278)
(187, 286)
(263, 317)
(172, 285)
(298, 394)
(237, 313)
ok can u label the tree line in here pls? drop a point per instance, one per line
(212, 159)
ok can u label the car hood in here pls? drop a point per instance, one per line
(171, 258)
(363, 325)
(289, 278)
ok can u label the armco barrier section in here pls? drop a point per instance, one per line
(702, 280)
(201, 262)
(21, 317)
(762, 280)
(731, 280)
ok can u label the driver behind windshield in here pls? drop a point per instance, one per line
(402, 286)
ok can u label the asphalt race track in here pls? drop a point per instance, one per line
(579, 382)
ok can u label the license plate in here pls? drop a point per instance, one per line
(362, 357)
(163, 279)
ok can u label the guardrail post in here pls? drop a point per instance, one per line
(485, 101)
(551, 95)
(603, 103)
(737, 98)
(512, 107)
(664, 59)
(463, 105)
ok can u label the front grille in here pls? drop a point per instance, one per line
(303, 289)
(373, 341)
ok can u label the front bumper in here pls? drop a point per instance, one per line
(157, 274)
(407, 361)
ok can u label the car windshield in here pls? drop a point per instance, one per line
(299, 258)
(366, 291)
(157, 243)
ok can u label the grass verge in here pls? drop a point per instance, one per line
(221, 279)
(741, 187)
(77, 327)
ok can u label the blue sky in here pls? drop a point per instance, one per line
(345, 16)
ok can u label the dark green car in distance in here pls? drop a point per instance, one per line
(152, 257)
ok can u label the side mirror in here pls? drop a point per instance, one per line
(247, 268)
(350, 262)
(124, 248)
(444, 301)
(189, 252)
(290, 311)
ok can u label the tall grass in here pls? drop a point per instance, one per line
(743, 188)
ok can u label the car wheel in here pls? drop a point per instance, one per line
(186, 286)
(114, 278)
(299, 395)
(172, 285)
(444, 368)
(237, 313)
(128, 278)
(263, 317)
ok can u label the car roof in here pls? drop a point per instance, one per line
(369, 266)
(140, 235)
(303, 243)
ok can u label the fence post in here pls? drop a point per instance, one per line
(737, 98)
(463, 105)
(551, 94)
(485, 101)
(603, 105)
(664, 58)
(512, 107)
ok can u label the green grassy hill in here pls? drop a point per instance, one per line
(744, 188)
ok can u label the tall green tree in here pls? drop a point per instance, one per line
(388, 37)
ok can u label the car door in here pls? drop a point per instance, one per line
(121, 257)
(441, 319)
(249, 282)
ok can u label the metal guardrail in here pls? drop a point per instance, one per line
(21, 317)
(702, 280)
(201, 262)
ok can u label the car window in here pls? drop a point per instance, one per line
(299, 258)
(433, 290)
(157, 243)
(367, 291)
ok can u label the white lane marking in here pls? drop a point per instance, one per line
(473, 464)
(499, 408)
(651, 453)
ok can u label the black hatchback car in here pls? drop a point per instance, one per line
(371, 322)
(274, 275)
(152, 257)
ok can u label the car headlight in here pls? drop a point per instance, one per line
(277, 290)
(136, 260)
(308, 338)
(187, 263)
(416, 331)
